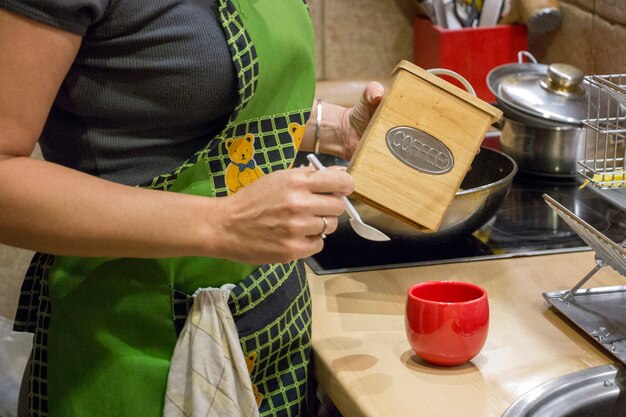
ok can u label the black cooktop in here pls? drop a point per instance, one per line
(524, 226)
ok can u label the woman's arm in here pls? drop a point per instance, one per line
(50, 208)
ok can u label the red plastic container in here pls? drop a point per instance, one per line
(471, 52)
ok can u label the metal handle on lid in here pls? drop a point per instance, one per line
(522, 54)
(456, 76)
(564, 75)
(564, 80)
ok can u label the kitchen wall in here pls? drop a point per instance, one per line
(592, 36)
(366, 38)
(361, 38)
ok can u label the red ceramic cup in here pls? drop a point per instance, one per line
(447, 321)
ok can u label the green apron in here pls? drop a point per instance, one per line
(106, 327)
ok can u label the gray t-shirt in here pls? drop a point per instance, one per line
(152, 82)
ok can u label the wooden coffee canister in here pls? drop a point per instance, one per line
(418, 146)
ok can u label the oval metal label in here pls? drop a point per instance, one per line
(419, 150)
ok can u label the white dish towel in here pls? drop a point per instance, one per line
(208, 375)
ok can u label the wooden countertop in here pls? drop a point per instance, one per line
(365, 364)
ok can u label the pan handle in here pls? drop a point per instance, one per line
(456, 76)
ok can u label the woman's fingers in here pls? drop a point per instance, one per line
(323, 226)
(355, 120)
(372, 95)
(334, 180)
(363, 111)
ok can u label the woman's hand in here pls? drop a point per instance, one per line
(341, 128)
(280, 217)
(354, 120)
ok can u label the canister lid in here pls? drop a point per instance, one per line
(555, 92)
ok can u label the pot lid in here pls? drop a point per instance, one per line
(555, 92)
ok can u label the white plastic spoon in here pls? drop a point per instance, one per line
(364, 230)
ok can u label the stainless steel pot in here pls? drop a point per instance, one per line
(541, 148)
(547, 148)
(543, 107)
(482, 192)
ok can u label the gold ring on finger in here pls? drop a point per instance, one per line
(322, 234)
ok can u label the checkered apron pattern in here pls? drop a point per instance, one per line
(105, 329)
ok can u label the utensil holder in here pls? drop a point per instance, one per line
(470, 52)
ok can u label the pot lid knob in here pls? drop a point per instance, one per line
(563, 78)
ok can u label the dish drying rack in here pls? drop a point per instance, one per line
(600, 312)
(604, 165)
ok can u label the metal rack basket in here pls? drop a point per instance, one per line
(604, 165)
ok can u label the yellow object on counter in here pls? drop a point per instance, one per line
(601, 178)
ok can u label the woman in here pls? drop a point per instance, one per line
(198, 98)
